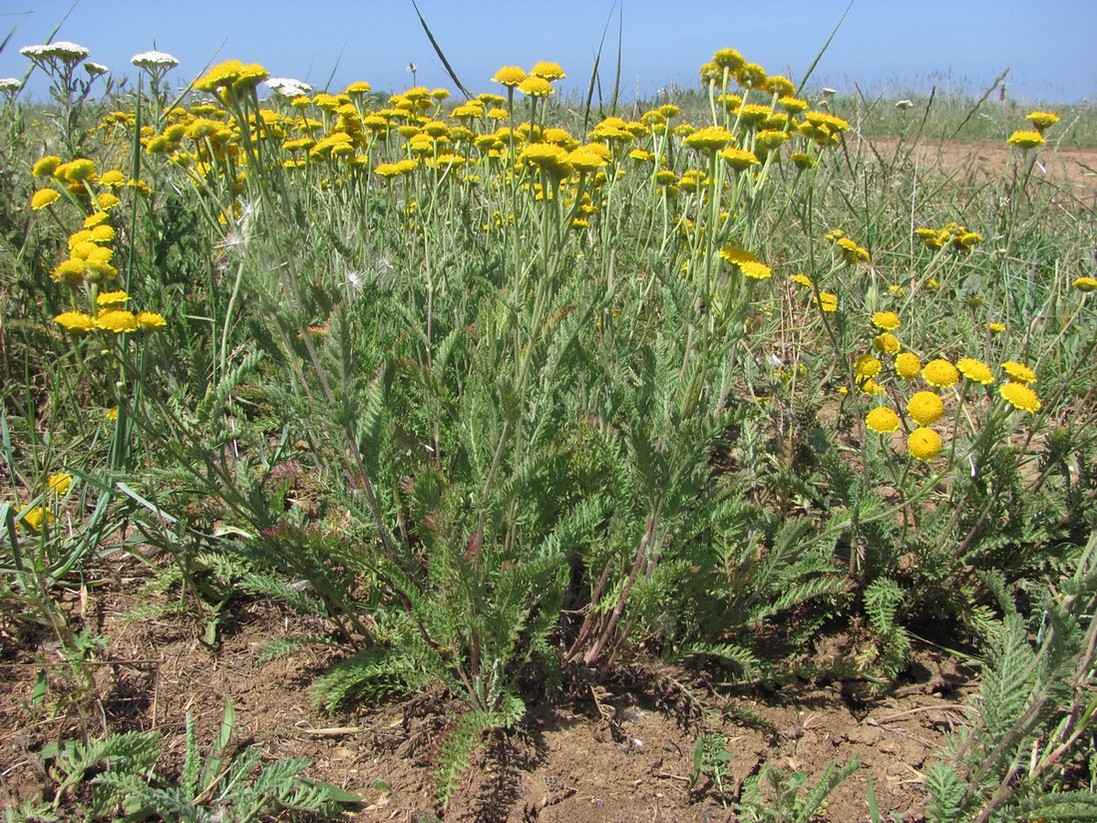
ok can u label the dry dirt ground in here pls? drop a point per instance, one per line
(1073, 171)
(616, 751)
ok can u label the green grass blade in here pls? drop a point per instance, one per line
(439, 52)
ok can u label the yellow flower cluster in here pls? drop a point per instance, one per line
(846, 249)
(78, 179)
(90, 262)
(952, 236)
(353, 136)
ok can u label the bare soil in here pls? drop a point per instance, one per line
(617, 749)
(1072, 170)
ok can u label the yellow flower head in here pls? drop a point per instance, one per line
(751, 76)
(886, 320)
(882, 420)
(547, 71)
(802, 160)
(70, 272)
(59, 483)
(925, 408)
(908, 366)
(1020, 396)
(755, 270)
(867, 366)
(871, 387)
(75, 321)
(940, 373)
(728, 59)
(1026, 139)
(850, 252)
(509, 75)
(42, 198)
(975, 370)
(118, 321)
(585, 160)
(1018, 372)
(112, 298)
(780, 86)
(76, 170)
(709, 139)
(33, 519)
(793, 105)
(739, 159)
(828, 301)
(1041, 120)
(150, 321)
(924, 444)
(886, 343)
(46, 166)
(1085, 284)
(536, 87)
(769, 139)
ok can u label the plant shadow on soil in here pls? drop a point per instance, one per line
(618, 749)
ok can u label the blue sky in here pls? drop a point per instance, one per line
(885, 46)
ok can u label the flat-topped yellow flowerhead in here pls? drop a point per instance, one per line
(882, 420)
(886, 320)
(975, 370)
(1026, 139)
(1020, 396)
(547, 70)
(886, 343)
(924, 444)
(536, 87)
(739, 159)
(940, 373)
(43, 198)
(1041, 120)
(925, 408)
(75, 322)
(867, 366)
(1018, 372)
(509, 75)
(908, 366)
(709, 139)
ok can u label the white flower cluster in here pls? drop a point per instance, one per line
(154, 60)
(61, 50)
(288, 87)
(10, 84)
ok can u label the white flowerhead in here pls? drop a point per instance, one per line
(154, 60)
(62, 49)
(829, 92)
(904, 104)
(95, 69)
(10, 84)
(288, 87)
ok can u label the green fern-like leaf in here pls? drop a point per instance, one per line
(739, 658)
(377, 673)
(946, 793)
(1080, 806)
(462, 741)
(278, 647)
